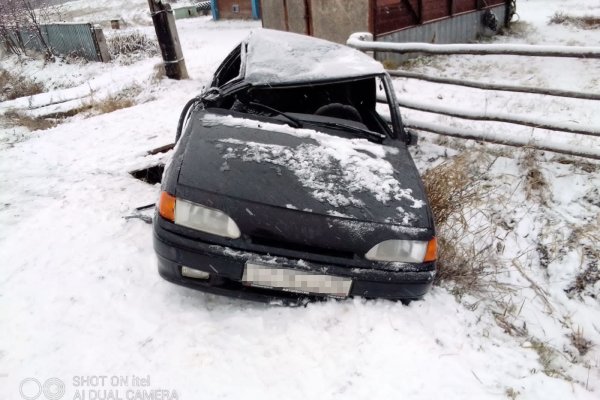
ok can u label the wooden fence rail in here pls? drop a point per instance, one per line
(575, 139)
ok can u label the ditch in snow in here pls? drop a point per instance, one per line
(151, 175)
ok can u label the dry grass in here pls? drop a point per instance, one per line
(471, 233)
(32, 123)
(112, 103)
(582, 344)
(536, 186)
(585, 280)
(117, 101)
(584, 22)
(585, 166)
(520, 29)
(450, 186)
(546, 357)
(512, 393)
(467, 241)
(14, 86)
(585, 238)
(390, 64)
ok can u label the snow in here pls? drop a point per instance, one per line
(131, 12)
(80, 295)
(358, 163)
(357, 41)
(303, 59)
(558, 126)
(560, 142)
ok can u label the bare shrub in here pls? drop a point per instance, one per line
(27, 17)
(558, 18)
(450, 187)
(584, 22)
(132, 46)
(15, 86)
(467, 242)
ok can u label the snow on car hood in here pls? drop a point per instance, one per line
(356, 164)
(340, 174)
(276, 57)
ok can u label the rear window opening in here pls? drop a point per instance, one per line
(151, 175)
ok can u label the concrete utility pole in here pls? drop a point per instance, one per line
(168, 39)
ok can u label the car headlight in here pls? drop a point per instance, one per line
(410, 251)
(197, 216)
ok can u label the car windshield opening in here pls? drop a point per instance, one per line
(350, 106)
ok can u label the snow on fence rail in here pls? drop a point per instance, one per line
(573, 142)
(364, 41)
(500, 117)
(497, 87)
(574, 145)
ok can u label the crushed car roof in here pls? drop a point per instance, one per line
(276, 57)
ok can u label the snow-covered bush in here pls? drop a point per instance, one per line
(132, 46)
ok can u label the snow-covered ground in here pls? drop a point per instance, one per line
(80, 295)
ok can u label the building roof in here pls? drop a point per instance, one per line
(276, 58)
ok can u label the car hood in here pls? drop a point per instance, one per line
(276, 165)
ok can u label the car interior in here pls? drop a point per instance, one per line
(352, 100)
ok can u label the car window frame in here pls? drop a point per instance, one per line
(232, 58)
(397, 127)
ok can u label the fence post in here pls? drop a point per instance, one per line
(168, 39)
(256, 9)
(214, 8)
(100, 42)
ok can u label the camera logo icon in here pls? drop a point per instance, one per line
(32, 389)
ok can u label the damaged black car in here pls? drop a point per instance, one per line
(291, 180)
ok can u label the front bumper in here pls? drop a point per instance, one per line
(226, 267)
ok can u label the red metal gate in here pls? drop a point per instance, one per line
(393, 15)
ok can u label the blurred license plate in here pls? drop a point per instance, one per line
(295, 281)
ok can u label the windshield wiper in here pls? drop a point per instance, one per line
(375, 136)
(296, 122)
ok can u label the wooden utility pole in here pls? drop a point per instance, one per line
(168, 39)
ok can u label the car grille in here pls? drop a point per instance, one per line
(278, 244)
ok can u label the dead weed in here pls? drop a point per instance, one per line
(584, 22)
(468, 247)
(32, 123)
(536, 186)
(14, 86)
(582, 344)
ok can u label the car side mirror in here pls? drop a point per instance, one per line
(412, 139)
